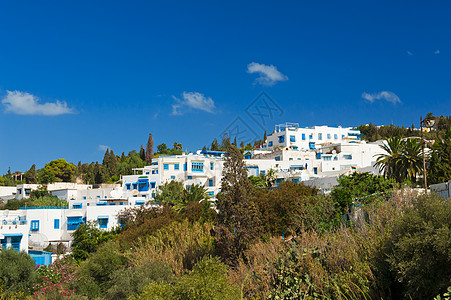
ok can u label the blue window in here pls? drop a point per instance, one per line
(56, 224)
(277, 158)
(128, 186)
(185, 167)
(3, 241)
(34, 225)
(310, 136)
(281, 139)
(311, 145)
(342, 136)
(140, 202)
(84, 197)
(143, 184)
(294, 148)
(190, 177)
(336, 136)
(176, 167)
(329, 136)
(211, 193)
(212, 166)
(135, 186)
(303, 136)
(327, 157)
(315, 170)
(210, 182)
(172, 177)
(197, 167)
(153, 184)
(320, 136)
(103, 221)
(292, 138)
(74, 222)
(262, 172)
(77, 205)
(166, 166)
(270, 144)
(15, 242)
(347, 156)
(318, 155)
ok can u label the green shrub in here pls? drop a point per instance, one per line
(17, 270)
(419, 250)
(207, 281)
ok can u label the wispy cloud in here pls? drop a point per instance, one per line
(192, 100)
(384, 95)
(103, 147)
(268, 74)
(22, 103)
(437, 51)
(409, 53)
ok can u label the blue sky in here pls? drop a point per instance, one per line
(76, 76)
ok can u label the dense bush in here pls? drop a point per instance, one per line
(17, 270)
(419, 249)
(208, 281)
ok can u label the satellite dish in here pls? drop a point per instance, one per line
(5, 213)
(135, 193)
(38, 240)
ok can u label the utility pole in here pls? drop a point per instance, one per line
(424, 160)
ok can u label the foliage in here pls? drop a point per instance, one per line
(17, 270)
(179, 245)
(60, 169)
(446, 295)
(402, 160)
(131, 281)
(207, 281)
(290, 208)
(149, 150)
(419, 248)
(87, 238)
(439, 169)
(360, 188)
(57, 280)
(48, 201)
(170, 192)
(239, 219)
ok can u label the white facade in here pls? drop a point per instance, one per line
(290, 135)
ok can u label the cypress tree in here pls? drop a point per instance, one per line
(30, 175)
(142, 153)
(149, 150)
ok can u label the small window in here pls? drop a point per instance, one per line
(292, 138)
(335, 136)
(135, 186)
(270, 144)
(34, 225)
(197, 167)
(320, 136)
(277, 158)
(315, 170)
(166, 166)
(172, 177)
(347, 156)
(303, 136)
(56, 224)
(190, 177)
(310, 137)
(212, 166)
(103, 222)
(327, 157)
(281, 139)
(210, 182)
(185, 166)
(176, 167)
(329, 136)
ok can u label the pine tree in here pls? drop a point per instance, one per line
(214, 145)
(149, 150)
(204, 148)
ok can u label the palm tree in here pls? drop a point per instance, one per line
(390, 163)
(412, 160)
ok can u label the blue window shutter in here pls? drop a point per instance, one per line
(166, 166)
(56, 224)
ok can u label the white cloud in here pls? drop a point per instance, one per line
(22, 103)
(437, 51)
(409, 53)
(103, 147)
(193, 100)
(384, 95)
(268, 75)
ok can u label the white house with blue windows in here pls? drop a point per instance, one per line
(203, 168)
(290, 135)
